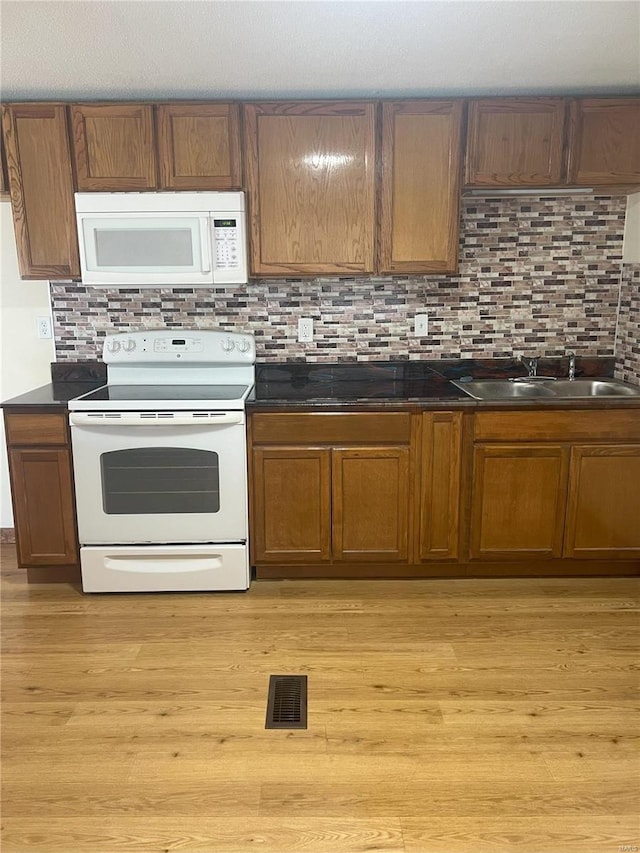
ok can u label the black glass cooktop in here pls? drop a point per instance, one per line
(115, 393)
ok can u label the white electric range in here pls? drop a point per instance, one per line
(160, 463)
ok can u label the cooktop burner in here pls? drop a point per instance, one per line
(205, 393)
(165, 397)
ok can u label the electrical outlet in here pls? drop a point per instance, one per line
(421, 327)
(305, 330)
(44, 327)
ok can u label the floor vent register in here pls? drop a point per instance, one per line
(287, 702)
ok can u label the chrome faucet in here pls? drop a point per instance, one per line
(531, 364)
(572, 365)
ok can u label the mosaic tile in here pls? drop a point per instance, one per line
(628, 338)
(537, 275)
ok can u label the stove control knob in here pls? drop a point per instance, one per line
(243, 345)
(129, 345)
(228, 345)
(113, 346)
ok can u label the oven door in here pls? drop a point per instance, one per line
(160, 477)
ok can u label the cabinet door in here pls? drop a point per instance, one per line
(515, 142)
(114, 146)
(420, 190)
(603, 510)
(199, 146)
(42, 490)
(440, 485)
(4, 180)
(291, 505)
(518, 501)
(370, 508)
(41, 186)
(310, 176)
(604, 141)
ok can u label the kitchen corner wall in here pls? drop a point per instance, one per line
(537, 275)
(628, 338)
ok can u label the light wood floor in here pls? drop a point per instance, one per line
(445, 717)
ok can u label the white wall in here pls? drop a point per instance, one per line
(25, 360)
(631, 249)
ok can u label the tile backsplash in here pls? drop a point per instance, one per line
(628, 341)
(537, 275)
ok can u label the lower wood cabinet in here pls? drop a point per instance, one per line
(370, 503)
(41, 476)
(518, 502)
(603, 506)
(440, 485)
(320, 504)
(331, 487)
(291, 504)
(556, 484)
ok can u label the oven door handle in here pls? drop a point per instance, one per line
(193, 419)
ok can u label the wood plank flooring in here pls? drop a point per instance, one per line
(492, 716)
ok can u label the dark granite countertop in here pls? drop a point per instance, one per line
(406, 383)
(389, 384)
(55, 395)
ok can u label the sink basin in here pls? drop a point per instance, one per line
(506, 389)
(502, 389)
(594, 388)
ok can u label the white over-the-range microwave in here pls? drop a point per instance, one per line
(162, 239)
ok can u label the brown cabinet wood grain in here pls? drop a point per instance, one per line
(199, 146)
(515, 142)
(41, 186)
(370, 505)
(420, 186)
(604, 141)
(114, 146)
(603, 509)
(330, 487)
(518, 501)
(40, 471)
(440, 485)
(4, 180)
(291, 505)
(310, 174)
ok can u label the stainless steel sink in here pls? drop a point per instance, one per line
(508, 389)
(594, 388)
(503, 389)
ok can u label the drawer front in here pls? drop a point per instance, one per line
(609, 425)
(331, 428)
(35, 429)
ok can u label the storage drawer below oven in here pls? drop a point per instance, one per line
(164, 568)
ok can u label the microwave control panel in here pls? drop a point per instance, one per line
(227, 241)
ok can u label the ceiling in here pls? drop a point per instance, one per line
(73, 49)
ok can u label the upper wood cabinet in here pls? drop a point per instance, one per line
(114, 146)
(310, 174)
(604, 141)
(4, 180)
(420, 186)
(515, 142)
(199, 146)
(41, 186)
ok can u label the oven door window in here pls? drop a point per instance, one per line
(153, 480)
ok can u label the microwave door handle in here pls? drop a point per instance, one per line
(204, 243)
